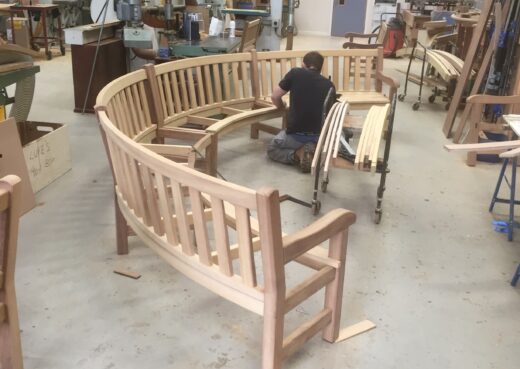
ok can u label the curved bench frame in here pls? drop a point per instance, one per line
(166, 202)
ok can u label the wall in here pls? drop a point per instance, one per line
(314, 17)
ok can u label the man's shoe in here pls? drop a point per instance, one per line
(306, 160)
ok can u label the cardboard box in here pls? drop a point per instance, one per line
(47, 151)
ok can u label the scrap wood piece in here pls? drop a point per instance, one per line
(127, 273)
(355, 330)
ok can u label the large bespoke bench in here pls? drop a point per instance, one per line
(161, 126)
(10, 211)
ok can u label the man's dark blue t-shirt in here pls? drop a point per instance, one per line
(308, 90)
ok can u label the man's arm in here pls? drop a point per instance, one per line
(276, 97)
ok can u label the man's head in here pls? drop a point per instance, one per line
(313, 60)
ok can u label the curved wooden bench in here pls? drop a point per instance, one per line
(174, 208)
(10, 210)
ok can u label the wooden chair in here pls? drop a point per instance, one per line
(10, 343)
(250, 35)
(380, 39)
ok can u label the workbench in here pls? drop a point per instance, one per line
(212, 45)
(44, 10)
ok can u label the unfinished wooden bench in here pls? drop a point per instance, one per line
(10, 211)
(175, 208)
(376, 126)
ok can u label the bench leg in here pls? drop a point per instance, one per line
(10, 343)
(121, 231)
(272, 346)
(254, 131)
(334, 291)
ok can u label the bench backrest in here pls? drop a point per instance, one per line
(10, 210)
(128, 104)
(166, 199)
(350, 69)
(185, 86)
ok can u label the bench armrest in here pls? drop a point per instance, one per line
(352, 35)
(355, 45)
(392, 82)
(328, 226)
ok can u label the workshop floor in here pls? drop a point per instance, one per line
(434, 275)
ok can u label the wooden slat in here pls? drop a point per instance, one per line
(168, 92)
(325, 68)
(162, 95)
(226, 82)
(283, 67)
(245, 245)
(308, 287)
(236, 83)
(246, 84)
(357, 74)
(131, 107)
(208, 84)
(182, 221)
(138, 101)
(263, 76)
(151, 200)
(305, 332)
(137, 184)
(203, 121)
(191, 88)
(274, 78)
(368, 73)
(199, 224)
(184, 90)
(221, 236)
(217, 83)
(176, 93)
(335, 71)
(200, 86)
(166, 210)
(346, 73)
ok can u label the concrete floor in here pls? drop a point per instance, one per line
(433, 276)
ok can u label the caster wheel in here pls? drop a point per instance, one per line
(377, 216)
(35, 47)
(431, 99)
(316, 207)
(324, 185)
(401, 97)
(447, 106)
(49, 55)
(416, 105)
(62, 50)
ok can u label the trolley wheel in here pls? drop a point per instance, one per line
(431, 99)
(35, 46)
(49, 55)
(377, 216)
(324, 185)
(401, 97)
(62, 50)
(316, 207)
(447, 106)
(416, 105)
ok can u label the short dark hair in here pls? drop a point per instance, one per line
(313, 60)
